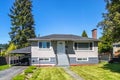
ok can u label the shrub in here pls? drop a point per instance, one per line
(19, 77)
(28, 70)
(32, 67)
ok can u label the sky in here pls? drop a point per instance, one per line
(57, 17)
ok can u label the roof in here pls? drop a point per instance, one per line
(116, 43)
(62, 37)
(22, 50)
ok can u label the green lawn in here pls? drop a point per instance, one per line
(3, 67)
(44, 73)
(102, 71)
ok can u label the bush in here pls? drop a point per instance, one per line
(19, 77)
(32, 67)
(28, 70)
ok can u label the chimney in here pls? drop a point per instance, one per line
(94, 33)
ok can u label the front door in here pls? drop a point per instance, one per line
(60, 47)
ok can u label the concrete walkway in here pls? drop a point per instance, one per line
(11, 72)
(72, 74)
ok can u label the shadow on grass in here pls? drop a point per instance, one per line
(114, 67)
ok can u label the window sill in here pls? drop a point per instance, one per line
(45, 49)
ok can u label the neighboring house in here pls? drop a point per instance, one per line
(63, 50)
(116, 49)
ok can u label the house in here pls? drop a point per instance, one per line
(116, 49)
(62, 50)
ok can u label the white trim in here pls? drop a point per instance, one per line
(84, 42)
(81, 58)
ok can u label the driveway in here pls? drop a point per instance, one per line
(11, 72)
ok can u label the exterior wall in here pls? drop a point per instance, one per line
(37, 53)
(36, 61)
(91, 60)
(92, 55)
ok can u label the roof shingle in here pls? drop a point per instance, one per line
(62, 37)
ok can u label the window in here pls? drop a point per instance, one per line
(44, 59)
(44, 44)
(83, 46)
(82, 59)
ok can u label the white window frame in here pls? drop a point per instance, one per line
(84, 42)
(42, 46)
(44, 59)
(82, 59)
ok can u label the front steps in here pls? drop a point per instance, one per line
(62, 60)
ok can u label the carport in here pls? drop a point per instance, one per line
(20, 57)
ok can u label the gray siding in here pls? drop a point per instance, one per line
(91, 60)
(35, 61)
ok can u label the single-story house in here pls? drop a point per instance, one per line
(62, 50)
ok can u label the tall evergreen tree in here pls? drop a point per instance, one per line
(22, 23)
(84, 34)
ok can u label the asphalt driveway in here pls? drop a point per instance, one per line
(11, 72)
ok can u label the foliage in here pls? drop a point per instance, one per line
(3, 67)
(105, 45)
(110, 25)
(22, 23)
(111, 22)
(10, 48)
(28, 70)
(102, 71)
(4, 46)
(32, 67)
(84, 34)
(19, 77)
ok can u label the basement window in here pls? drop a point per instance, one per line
(44, 59)
(82, 59)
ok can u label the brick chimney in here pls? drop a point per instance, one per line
(94, 33)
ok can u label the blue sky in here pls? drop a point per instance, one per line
(57, 17)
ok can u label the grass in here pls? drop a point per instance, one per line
(50, 73)
(102, 71)
(19, 77)
(3, 67)
(44, 73)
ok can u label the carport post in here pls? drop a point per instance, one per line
(9, 59)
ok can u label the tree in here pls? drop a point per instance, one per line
(105, 45)
(84, 34)
(111, 22)
(9, 48)
(22, 23)
(110, 26)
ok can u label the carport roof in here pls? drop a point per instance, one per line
(22, 50)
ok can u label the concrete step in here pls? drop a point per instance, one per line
(62, 60)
